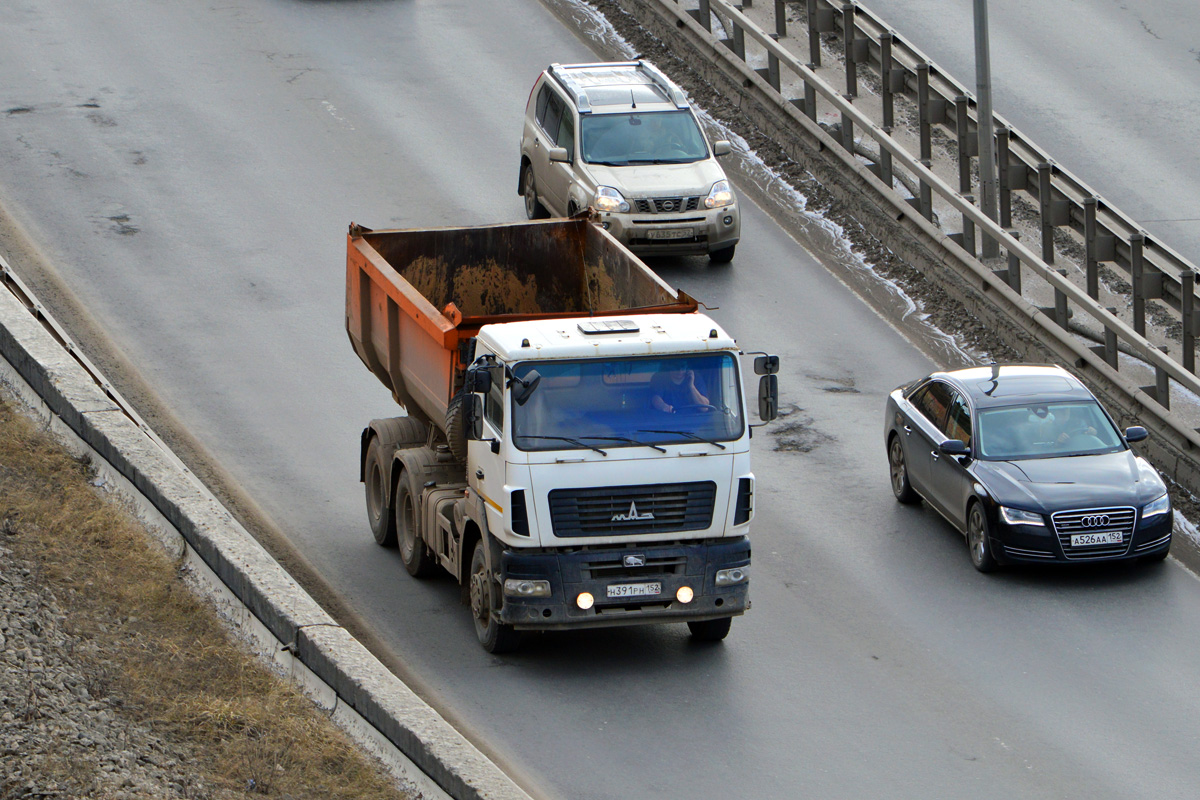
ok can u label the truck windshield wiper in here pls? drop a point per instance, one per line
(575, 442)
(627, 439)
(689, 435)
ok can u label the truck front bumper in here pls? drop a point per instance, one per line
(594, 570)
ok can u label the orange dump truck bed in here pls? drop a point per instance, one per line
(414, 297)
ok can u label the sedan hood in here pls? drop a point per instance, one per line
(659, 180)
(1058, 484)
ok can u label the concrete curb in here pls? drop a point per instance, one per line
(299, 629)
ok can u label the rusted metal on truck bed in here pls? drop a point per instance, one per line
(413, 297)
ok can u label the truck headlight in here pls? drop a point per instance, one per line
(1015, 516)
(1157, 507)
(733, 576)
(719, 196)
(519, 587)
(609, 199)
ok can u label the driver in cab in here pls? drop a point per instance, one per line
(674, 387)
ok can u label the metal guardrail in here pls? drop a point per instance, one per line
(1157, 271)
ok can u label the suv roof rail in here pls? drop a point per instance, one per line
(561, 74)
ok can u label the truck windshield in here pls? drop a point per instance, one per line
(630, 402)
(659, 137)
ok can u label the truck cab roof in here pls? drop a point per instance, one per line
(608, 336)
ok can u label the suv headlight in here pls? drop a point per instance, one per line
(1156, 507)
(1015, 516)
(609, 199)
(719, 196)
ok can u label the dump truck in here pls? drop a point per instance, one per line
(575, 448)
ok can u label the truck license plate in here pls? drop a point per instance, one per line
(670, 233)
(635, 589)
(1085, 539)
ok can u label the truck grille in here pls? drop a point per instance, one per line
(624, 510)
(1094, 520)
(666, 205)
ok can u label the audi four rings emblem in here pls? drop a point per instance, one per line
(1094, 521)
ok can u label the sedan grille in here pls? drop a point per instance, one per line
(666, 205)
(624, 510)
(1094, 520)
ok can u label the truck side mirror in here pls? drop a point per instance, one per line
(768, 397)
(479, 380)
(766, 365)
(475, 416)
(524, 388)
(721, 147)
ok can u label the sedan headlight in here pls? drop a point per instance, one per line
(609, 199)
(719, 196)
(1015, 516)
(1157, 507)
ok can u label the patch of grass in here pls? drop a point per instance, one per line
(144, 640)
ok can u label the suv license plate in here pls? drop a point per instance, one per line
(670, 233)
(1085, 539)
(635, 589)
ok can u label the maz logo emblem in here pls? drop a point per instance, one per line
(1095, 521)
(634, 561)
(633, 515)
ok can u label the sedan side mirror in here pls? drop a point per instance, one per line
(559, 154)
(1136, 433)
(722, 148)
(954, 447)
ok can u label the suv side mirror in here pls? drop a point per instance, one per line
(559, 154)
(768, 397)
(1136, 434)
(722, 148)
(954, 447)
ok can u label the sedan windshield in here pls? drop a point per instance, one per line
(661, 137)
(632, 402)
(1046, 430)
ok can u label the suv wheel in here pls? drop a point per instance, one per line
(533, 207)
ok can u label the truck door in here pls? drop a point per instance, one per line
(485, 469)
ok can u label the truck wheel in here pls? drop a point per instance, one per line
(533, 207)
(418, 560)
(494, 636)
(379, 510)
(710, 630)
(456, 426)
(722, 256)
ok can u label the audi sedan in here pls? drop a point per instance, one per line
(1027, 465)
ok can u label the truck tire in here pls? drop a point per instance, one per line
(710, 630)
(495, 637)
(456, 426)
(379, 509)
(415, 554)
(403, 431)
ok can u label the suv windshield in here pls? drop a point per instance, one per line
(630, 402)
(1046, 430)
(659, 137)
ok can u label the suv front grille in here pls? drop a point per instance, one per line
(666, 205)
(1094, 520)
(624, 510)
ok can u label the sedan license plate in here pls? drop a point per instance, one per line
(635, 589)
(670, 233)
(1086, 539)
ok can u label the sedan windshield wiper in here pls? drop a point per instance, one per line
(689, 435)
(627, 439)
(575, 442)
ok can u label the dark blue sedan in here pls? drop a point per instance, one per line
(1026, 463)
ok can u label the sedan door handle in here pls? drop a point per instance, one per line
(935, 454)
(907, 430)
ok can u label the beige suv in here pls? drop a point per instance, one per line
(621, 138)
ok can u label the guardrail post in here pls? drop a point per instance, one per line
(1061, 312)
(889, 109)
(780, 19)
(1137, 273)
(1054, 212)
(967, 237)
(1002, 167)
(1012, 275)
(1161, 390)
(739, 39)
(848, 40)
(771, 73)
(924, 125)
(704, 16)
(814, 35)
(962, 128)
(1108, 350)
(1098, 247)
(1187, 288)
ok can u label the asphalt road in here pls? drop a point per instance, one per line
(1109, 88)
(189, 172)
